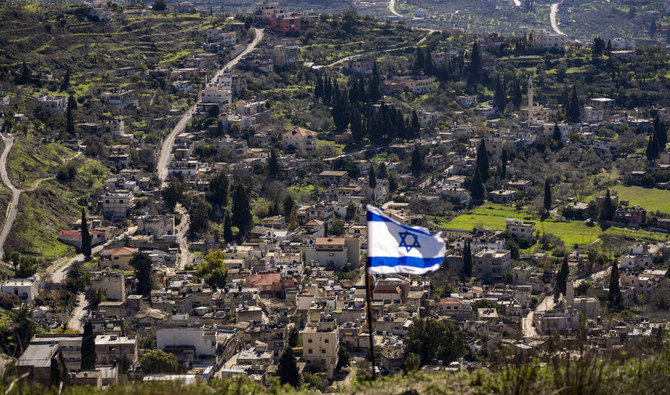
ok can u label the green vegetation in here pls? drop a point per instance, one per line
(650, 198)
(493, 217)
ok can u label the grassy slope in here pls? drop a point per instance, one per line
(493, 216)
(29, 160)
(52, 207)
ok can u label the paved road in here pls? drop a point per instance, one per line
(16, 193)
(527, 327)
(166, 149)
(79, 313)
(392, 9)
(552, 18)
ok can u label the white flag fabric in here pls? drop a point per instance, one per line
(397, 248)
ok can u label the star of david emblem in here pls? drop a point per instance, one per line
(410, 243)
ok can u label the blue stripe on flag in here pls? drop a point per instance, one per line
(420, 263)
(372, 217)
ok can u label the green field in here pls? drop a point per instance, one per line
(651, 199)
(493, 216)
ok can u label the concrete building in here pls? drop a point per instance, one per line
(110, 349)
(53, 102)
(186, 340)
(117, 258)
(69, 345)
(300, 138)
(547, 39)
(113, 282)
(490, 266)
(520, 229)
(25, 288)
(320, 342)
(115, 205)
(36, 361)
(156, 226)
(335, 251)
(216, 94)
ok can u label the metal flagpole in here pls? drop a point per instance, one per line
(369, 303)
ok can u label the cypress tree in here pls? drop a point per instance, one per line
(614, 295)
(227, 227)
(417, 163)
(547, 195)
(416, 126)
(503, 166)
(318, 87)
(483, 161)
(420, 60)
(242, 217)
(475, 63)
(499, 96)
(69, 117)
(557, 134)
(273, 165)
(661, 133)
(516, 93)
(85, 237)
(428, 64)
(288, 369)
(607, 208)
(652, 148)
(372, 179)
(88, 356)
(467, 260)
(355, 126)
(477, 187)
(574, 112)
(562, 277)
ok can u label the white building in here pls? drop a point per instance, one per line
(216, 94)
(218, 35)
(53, 102)
(25, 288)
(301, 138)
(337, 251)
(320, 344)
(116, 204)
(547, 39)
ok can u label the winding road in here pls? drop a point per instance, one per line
(16, 193)
(13, 207)
(552, 18)
(166, 149)
(392, 9)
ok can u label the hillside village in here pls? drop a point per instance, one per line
(233, 242)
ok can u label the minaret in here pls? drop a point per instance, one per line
(530, 101)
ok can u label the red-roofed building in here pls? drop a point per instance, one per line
(270, 283)
(73, 237)
(117, 258)
(457, 309)
(300, 138)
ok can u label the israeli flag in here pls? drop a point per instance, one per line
(397, 248)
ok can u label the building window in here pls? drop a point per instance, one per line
(309, 341)
(309, 351)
